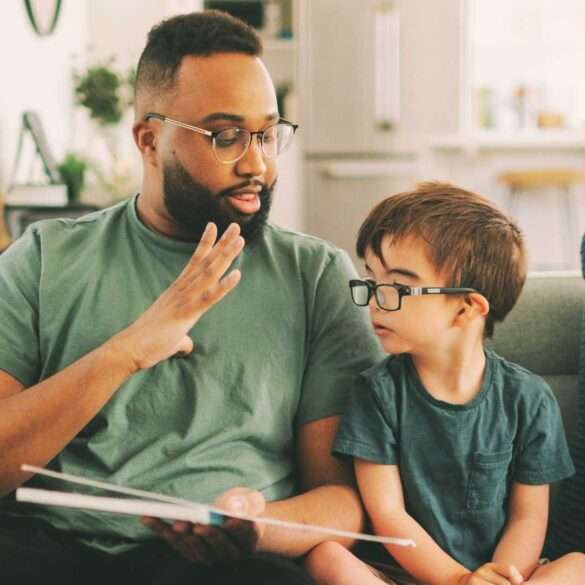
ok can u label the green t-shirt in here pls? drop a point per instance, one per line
(457, 462)
(280, 351)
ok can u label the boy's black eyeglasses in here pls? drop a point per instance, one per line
(389, 296)
(231, 144)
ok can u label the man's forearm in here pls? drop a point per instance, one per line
(333, 506)
(37, 423)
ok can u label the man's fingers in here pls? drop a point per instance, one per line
(186, 545)
(215, 293)
(209, 249)
(243, 533)
(205, 244)
(219, 543)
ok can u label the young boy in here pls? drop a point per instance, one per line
(453, 446)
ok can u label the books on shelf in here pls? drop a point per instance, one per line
(35, 195)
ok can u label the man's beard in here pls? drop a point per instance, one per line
(192, 205)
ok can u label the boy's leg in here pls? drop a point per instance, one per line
(568, 570)
(332, 564)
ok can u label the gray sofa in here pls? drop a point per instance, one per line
(542, 333)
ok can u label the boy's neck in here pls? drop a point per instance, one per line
(454, 374)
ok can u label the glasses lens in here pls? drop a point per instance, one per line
(230, 144)
(277, 139)
(387, 297)
(360, 293)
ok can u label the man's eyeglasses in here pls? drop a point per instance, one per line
(231, 144)
(389, 296)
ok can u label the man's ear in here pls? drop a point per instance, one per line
(146, 140)
(474, 305)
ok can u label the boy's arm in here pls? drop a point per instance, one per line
(381, 490)
(523, 538)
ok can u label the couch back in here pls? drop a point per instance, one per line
(542, 333)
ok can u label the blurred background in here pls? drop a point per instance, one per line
(486, 94)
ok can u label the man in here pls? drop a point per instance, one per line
(118, 361)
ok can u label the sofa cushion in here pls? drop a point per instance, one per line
(542, 334)
(568, 526)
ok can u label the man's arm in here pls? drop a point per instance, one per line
(381, 490)
(329, 498)
(328, 494)
(523, 539)
(37, 423)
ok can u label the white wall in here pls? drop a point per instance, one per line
(36, 74)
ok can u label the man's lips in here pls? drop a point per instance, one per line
(246, 201)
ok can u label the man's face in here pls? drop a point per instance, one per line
(216, 92)
(191, 204)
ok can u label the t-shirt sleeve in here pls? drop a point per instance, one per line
(20, 269)
(543, 455)
(341, 343)
(368, 428)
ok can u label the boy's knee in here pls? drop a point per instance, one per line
(325, 558)
(576, 559)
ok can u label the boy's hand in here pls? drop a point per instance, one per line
(493, 574)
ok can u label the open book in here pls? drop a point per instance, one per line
(145, 503)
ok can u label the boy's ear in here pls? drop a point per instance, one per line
(474, 305)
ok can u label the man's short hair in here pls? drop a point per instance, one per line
(198, 34)
(467, 236)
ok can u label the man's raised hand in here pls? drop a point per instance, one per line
(162, 330)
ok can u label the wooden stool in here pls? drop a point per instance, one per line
(519, 182)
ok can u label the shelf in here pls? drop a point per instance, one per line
(492, 140)
(273, 44)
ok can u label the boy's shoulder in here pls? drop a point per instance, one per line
(387, 373)
(516, 383)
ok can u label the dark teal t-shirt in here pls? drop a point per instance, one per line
(457, 462)
(280, 351)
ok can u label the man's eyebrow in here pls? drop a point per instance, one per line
(225, 117)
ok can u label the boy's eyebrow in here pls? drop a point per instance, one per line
(402, 272)
(394, 271)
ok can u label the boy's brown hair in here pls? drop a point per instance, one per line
(468, 238)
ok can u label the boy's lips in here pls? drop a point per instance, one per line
(381, 329)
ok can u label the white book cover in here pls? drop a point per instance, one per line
(145, 503)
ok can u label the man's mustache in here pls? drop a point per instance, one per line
(231, 190)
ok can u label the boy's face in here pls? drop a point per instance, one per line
(424, 324)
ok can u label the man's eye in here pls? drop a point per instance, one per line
(270, 135)
(227, 138)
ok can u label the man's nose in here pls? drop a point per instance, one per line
(253, 163)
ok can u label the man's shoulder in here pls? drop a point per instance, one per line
(311, 252)
(287, 237)
(65, 227)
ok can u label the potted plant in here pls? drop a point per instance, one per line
(107, 93)
(72, 171)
